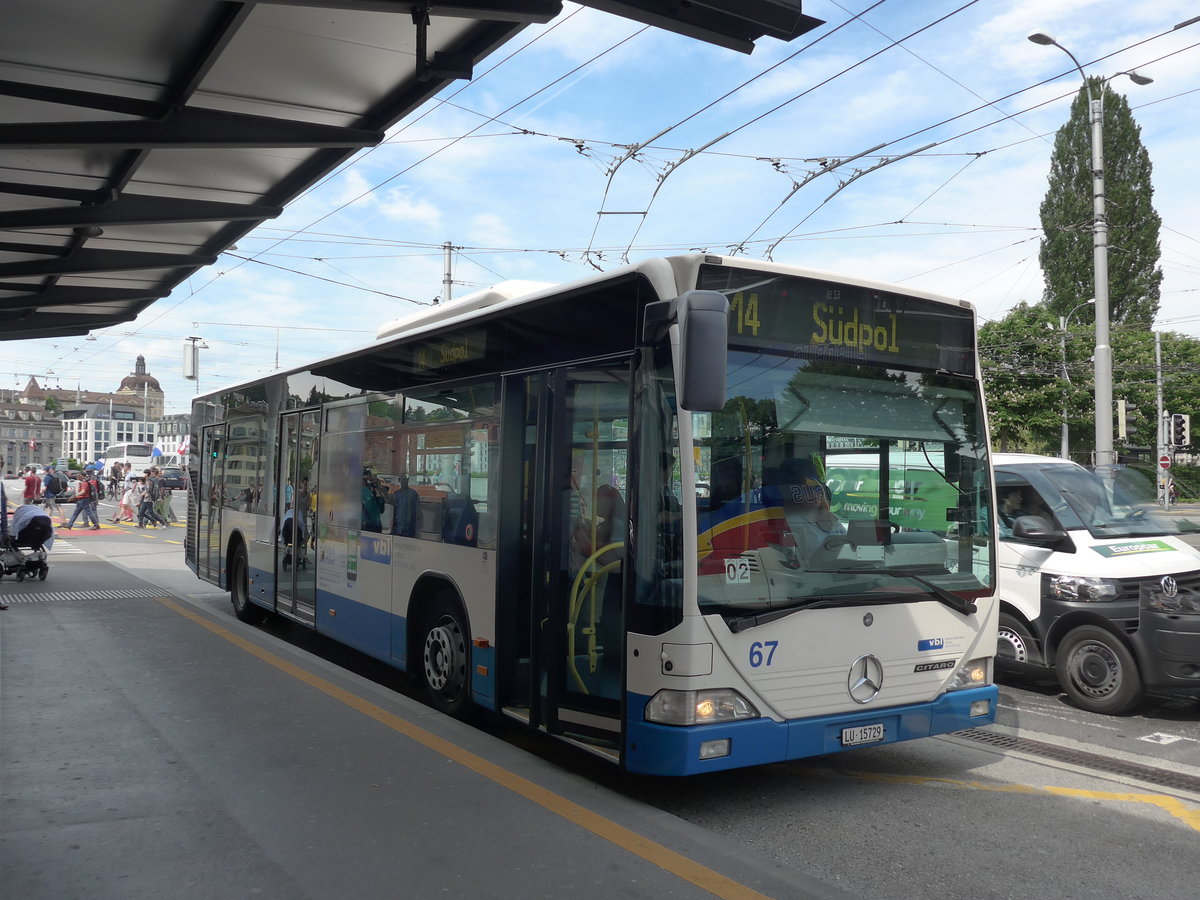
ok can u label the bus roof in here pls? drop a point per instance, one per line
(669, 275)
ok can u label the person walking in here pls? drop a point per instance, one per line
(3, 526)
(125, 508)
(146, 506)
(162, 505)
(33, 485)
(53, 484)
(85, 501)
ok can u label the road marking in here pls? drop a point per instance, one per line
(677, 864)
(1189, 815)
(1160, 737)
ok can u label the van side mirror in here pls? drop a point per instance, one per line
(1039, 531)
(703, 318)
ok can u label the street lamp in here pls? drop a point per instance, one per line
(191, 359)
(1103, 357)
(1063, 321)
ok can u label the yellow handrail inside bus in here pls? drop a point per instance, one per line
(576, 606)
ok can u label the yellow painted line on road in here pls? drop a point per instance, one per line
(689, 870)
(1189, 815)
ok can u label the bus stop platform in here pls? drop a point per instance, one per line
(151, 745)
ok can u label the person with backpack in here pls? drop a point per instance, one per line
(162, 505)
(149, 498)
(53, 484)
(86, 490)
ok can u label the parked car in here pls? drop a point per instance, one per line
(174, 478)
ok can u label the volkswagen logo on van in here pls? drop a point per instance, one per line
(1169, 587)
(866, 678)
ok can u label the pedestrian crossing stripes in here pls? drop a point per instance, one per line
(50, 596)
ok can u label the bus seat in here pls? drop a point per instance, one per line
(460, 525)
(430, 514)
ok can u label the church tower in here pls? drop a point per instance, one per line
(144, 386)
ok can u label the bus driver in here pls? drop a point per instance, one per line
(805, 501)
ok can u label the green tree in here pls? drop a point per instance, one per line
(1067, 218)
(1031, 370)
(1021, 359)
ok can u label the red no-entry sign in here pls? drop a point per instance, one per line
(1164, 461)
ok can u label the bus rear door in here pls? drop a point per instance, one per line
(296, 587)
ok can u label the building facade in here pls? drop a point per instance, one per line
(42, 424)
(29, 434)
(88, 432)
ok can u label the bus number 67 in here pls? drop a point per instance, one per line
(762, 653)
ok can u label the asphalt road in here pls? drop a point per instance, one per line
(1051, 802)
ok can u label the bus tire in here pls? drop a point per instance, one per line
(1098, 672)
(446, 656)
(239, 590)
(1015, 643)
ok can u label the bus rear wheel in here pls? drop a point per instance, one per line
(239, 590)
(446, 657)
(1098, 672)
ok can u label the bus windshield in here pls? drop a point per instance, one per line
(861, 478)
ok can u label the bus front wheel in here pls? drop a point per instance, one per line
(1098, 672)
(445, 657)
(239, 590)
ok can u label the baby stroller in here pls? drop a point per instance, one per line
(25, 554)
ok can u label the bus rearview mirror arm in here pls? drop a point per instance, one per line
(703, 318)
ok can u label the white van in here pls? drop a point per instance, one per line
(1096, 582)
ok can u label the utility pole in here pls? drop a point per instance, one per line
(1164, 495)
(447, 280)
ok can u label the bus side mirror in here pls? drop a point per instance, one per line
(703, 318)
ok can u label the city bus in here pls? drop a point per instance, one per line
(139, 454)
(498, 496)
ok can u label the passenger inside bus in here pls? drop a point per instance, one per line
(405, 501)
(606, 526)
(372, 502)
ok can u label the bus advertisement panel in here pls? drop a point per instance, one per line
(506, 497)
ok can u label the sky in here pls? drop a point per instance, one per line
(528, 172)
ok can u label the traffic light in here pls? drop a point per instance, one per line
(1181, 429)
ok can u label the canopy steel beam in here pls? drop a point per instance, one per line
(85, 259)
(131, 209)
(533, 11)
(189, 127)
(31, 296)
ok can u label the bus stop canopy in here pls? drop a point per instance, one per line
(139, 140)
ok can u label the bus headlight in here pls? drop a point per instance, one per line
(1081, 587)
(973, 674)
(698, 707)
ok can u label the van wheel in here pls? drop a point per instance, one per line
(1098, 672)
(239, 590)
(1014, 643)
(445, 657)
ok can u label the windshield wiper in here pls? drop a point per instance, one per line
(955, 602)
(741, 623)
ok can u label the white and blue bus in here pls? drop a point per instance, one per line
(498, 496)
(139, 455)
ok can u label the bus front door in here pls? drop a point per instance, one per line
(209, 493)
(296, 485)
(576, 518)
